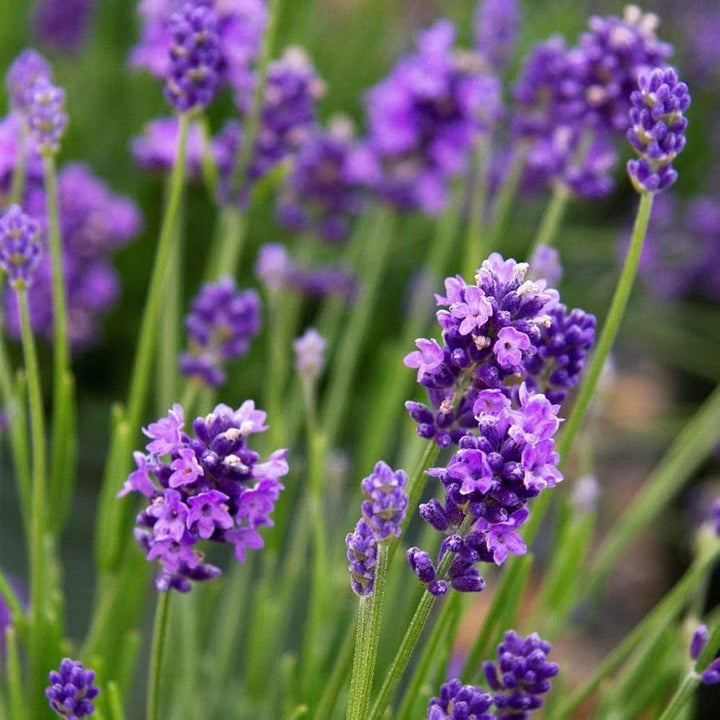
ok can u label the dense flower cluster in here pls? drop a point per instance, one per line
(20, 246)
(383, 511)
(94, 222)
(72, 690)
(517, 681)
(240, 25)
(488, 484)
(520, 676)
(45, 114)
(276, 270)
(320, 193)
(494, 331)
(205, 486)
(196, 60)
(657, 131)
(222, 324)
(423, 119)
(571, 102)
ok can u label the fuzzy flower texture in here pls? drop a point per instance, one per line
(205, 486)
(517, 681)
(71, 690)
(510, 352)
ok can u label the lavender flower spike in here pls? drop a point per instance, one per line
(71, 690)
(46, 118)
(520, 676)
(658, 129)
(20, 248)
(362, 555)
(461, 702)
(384, 508)
(196, 60)
(27, 67)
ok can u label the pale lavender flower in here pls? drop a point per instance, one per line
(156, 149)
(310, 354)
(497, 23)
(27, 67)
(45, 114)
(699, 641)
(63, 24)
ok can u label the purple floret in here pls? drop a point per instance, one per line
(44, 114)
(362, 554)
(72, 690)
(461, 702)
(386, 501)
(222, 324)
(63, 24)
(20, 246)
(27, 67)
(156, 149)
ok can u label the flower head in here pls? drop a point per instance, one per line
(72, 690)
(20, 247)
(657, 131)
(45, 114)
(27, 67)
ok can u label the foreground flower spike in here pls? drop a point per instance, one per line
(520, 676)
(20, 248)
(222, 324)
(45, 115)
(205, 486)
(27, 67)
(461, 702)
(657, 131)
(496, 332)
(196, 59)
(383, 511)
(71, 690)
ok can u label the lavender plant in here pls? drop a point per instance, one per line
(504, 396)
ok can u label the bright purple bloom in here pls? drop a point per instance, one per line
(461, 702)
(156, 148)
(427, 359)
(27, 67)
(657, 131)
(63, 24)
(72, 690)
(310, 354)
(509, 348)
(361, 553)
(386, 501)
(320, 194)
(45, 114)
(423, 118)
(520, 676)
(222, 324)
(20, 247)
(497, 23)
(206, 486)
(196, 60)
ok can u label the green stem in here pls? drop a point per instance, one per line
(17, 187)
(369, 613)
(225, 258)
(475, 249)
(17, 698)
(63, 432)
(681, 696)
(115, 701)
(207, 160)
(156, 655)
(38, 579)
(653, 623)
(505, 197)
(610, 328)
(340, 670)
(552, 218)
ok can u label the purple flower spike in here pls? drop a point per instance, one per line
(497, 23)
(71, 690)
(63, 24)
(521, 675)
(384, 509)
(221, 326)
(461, 702)
(27, 67)
(196, 59)
(711, 676)
(20, 248)
(45, 116)
(657, 131)
(206, 486)
(362, 554)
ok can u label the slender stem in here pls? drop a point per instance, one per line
(224, 259)
(38, 575)
(505, 197)
(610, 328)
(207, 160)
(552, 217)
(681, 697)
(156, 655)
(17, 186)
(369, 613)
(340, 670)
(17, 699)
(475, 248)
(63, 434)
